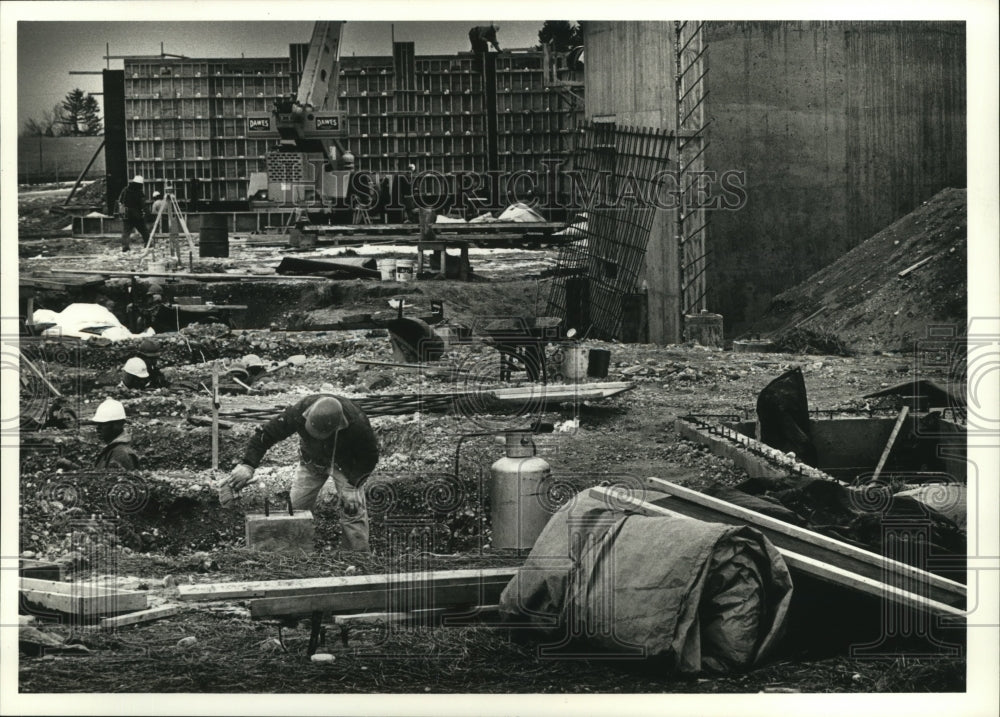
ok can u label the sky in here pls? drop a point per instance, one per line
(47, 50)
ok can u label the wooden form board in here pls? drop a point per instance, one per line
(795, 561)
(136, 618)
(81, 599)
(344, 583)
(390, 597)
(821, 547)
(437, 616)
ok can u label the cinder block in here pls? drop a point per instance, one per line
(280, 532)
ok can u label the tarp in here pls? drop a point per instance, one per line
(520, 212)
(85, 321)
(702, 596)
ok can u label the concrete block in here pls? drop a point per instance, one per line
(280, 532)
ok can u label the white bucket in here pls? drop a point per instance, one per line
(404, 270)
(387, 267)
(157, 267)
(574, 365)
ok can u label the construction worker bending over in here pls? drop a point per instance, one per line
(132, 206)
(117, 452)
(335, 440)
(480, 35)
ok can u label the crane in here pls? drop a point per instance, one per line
(308, 124)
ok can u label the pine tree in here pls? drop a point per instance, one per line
(80, 113)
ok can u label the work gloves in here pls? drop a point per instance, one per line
(237, 481)
(350, 500)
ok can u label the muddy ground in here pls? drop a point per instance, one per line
(166, 520)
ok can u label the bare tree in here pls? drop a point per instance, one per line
(49, 124)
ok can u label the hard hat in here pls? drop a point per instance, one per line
(110, 410)
(155, 195)
(411, 167)
(137, 367)
(137, 179)
(149, 347)
(252, 360)
(325, 417)
(154, 288)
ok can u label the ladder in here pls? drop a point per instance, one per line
(171, 211)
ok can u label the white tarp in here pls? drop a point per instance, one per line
(85, 321)
(520, 212)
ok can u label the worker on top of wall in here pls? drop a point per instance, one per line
(135, 375)
(149, 352)
(482, 36)
(117, 452)
(132, 207)
(335, 440)
(406, 194)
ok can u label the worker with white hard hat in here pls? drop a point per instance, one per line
(135, 374)
(335, 440)
(149, 353)
(132, 207)
(117, 452)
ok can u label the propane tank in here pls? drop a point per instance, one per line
(518, 511)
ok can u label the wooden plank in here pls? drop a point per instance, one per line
(82, 599)
(797, 561)
(903, 413)
(388, 597)
(435, 615)
(345, 583)
(143, 616)
(914, 267)
(199, 277)
(817, 545)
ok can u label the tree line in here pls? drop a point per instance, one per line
(78, 115)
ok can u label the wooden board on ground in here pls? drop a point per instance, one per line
(815, 545)
(345, 583)
(795, 561)
(389, 597)
(555, 392)
(143, 616)
(80, 599)
(444, 616)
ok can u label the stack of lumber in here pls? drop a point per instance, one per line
(82, 601)
(807, 552)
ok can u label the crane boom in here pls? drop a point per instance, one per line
(322, 65)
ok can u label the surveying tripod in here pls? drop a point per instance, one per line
(169, 210)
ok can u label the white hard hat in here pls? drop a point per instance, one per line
(252, 360)
(110, 410)
(137, 179)
(137, 367)
(156, 194)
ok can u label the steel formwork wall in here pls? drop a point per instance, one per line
(186, 123)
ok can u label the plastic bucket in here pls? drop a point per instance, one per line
(574, 365)
(387, 268)
(213, 236)
(404, 270)
(600, 360)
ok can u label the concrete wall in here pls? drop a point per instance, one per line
(840, 127)
(57, 158)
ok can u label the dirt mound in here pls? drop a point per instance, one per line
(862, 297)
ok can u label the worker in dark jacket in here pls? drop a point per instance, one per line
(335, 440)
(117, 452)
(132, 205)
(481, 35)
